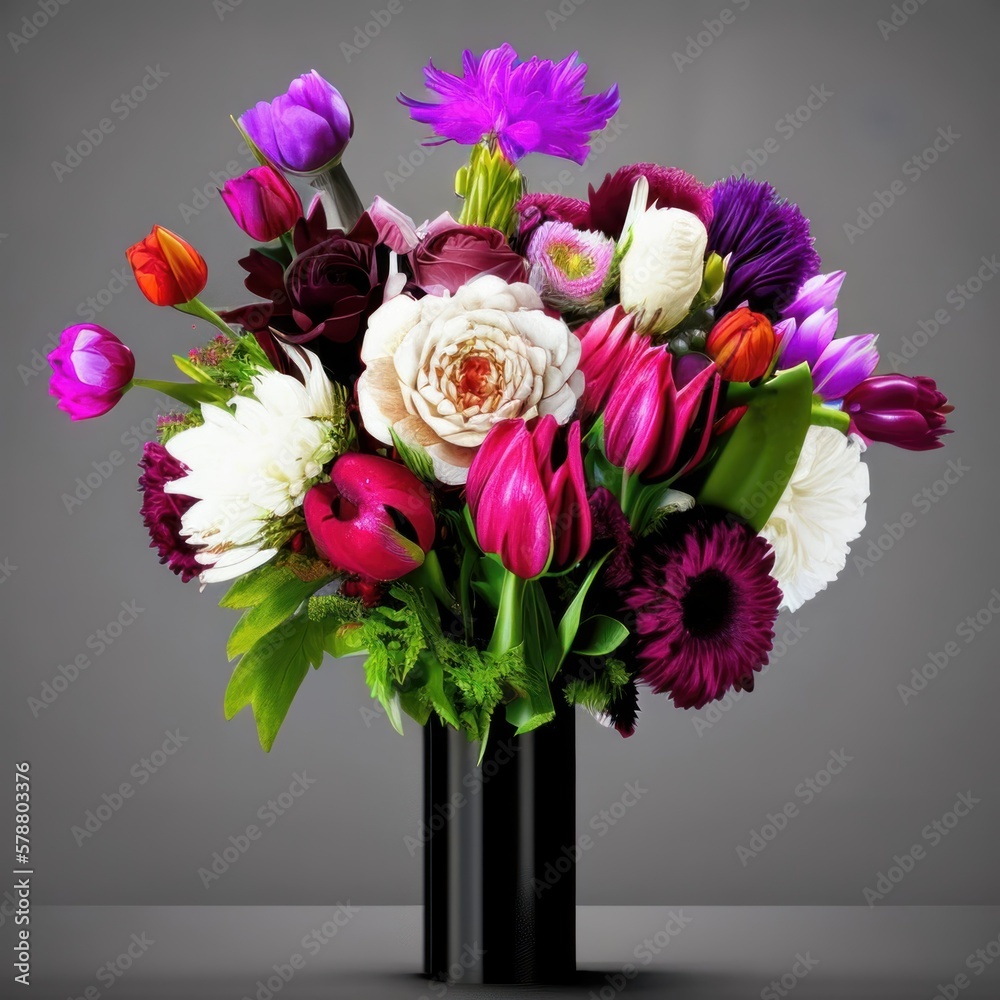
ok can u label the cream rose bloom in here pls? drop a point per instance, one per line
(440, 371)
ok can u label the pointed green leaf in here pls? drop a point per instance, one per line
(414, 458)
(193, 372)
(756, 462)
(268, 676)
(571, 618)
(285, 593)
(599, 635)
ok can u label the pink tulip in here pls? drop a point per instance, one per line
(373, 518)
(529, 509)
(91, 370)
(651, 427)
(609, 347)
(263, 203)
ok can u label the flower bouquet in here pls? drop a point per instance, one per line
(526, 457)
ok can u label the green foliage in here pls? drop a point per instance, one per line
(270, 673)
(596, 693)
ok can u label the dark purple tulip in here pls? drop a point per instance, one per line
(304, 131)
(907, 412)
(91, 370)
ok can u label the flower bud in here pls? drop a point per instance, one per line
(742, 345)
(168, 270)
(263, 203)
(373, 518)
(304, 131)
(662, 270)
(91, 370)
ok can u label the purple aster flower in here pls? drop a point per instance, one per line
(568, 264)
(162, 511)
(526, 107)
(772, 249)
(705, 605)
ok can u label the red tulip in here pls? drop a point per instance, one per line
(528, 508)
(373, 518)
(742, 344)
(654, 428)
(907, 412)
(169, 271)
(263, 203)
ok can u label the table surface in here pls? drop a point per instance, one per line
(267, 953)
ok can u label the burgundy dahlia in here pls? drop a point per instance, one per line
(705, 606)
(769, 239)
(162, 512)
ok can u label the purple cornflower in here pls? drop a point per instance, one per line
(525, 107)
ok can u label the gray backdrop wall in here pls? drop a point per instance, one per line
(821, 100)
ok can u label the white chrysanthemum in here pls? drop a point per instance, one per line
(253, 461)
(820, 513)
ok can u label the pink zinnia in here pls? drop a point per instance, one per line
(705, 606)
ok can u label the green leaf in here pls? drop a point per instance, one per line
(656, 501)
(435, 692)
(756, 462)
(571, 618)
(193, 372)
(269, 675)
(533, 707)
(190, 394)
(284, 595)
(599, 635)
(414, 458)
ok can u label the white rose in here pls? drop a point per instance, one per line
(662, 270)
(440, 371)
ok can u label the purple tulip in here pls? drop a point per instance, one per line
(907, 412)
(528, 510)
(819, 292)
(652, 427)
(91, 370)
(304, 131)
(844, 364)
(263, 203)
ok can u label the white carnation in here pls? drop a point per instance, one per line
(820, 513)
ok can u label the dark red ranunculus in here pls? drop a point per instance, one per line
(451, 254)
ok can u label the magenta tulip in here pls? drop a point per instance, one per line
(91, 370)
(263, 203)
(896, 409)
(609, 347)
(373, 518)
(653, 428)
(528, 508)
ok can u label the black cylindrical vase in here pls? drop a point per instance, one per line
(499, 879)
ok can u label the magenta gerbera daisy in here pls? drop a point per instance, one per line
(705, 606)
(536, 106)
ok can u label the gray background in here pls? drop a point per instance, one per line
(708, 786)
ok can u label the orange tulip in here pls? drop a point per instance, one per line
(742, 344)
(169, 271)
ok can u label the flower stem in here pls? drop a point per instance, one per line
(198, 308)
(288, 244)
(509, 631)
(827, 416)
(340, 200)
